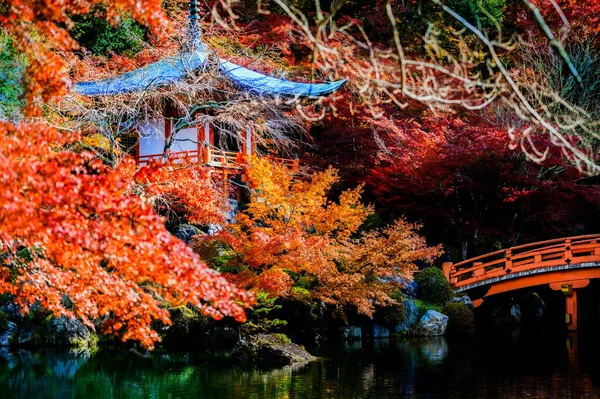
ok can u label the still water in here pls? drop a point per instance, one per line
(500, 367)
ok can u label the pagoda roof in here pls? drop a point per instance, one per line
(176, 68)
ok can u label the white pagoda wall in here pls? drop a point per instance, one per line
(186, 140)
(152, 137)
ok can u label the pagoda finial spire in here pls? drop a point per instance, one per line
(194, 34)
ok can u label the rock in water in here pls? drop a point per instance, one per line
(380, 331)
(351, 333)
(185, 232)
(465, 300)
(515, 312)
(411, 317)
(270, 349)
(11, 310)
(433, 323)
(26, 335)
(408, 287)
(68, 333)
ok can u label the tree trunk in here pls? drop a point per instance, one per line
(464, 246)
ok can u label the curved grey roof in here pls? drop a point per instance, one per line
(176, 68)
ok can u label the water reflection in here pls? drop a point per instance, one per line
(416, 368)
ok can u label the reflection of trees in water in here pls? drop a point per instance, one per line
(424, 367)
(381, 368)
(27, 375)
(361, 373)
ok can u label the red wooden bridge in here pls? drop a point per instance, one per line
(566, 264)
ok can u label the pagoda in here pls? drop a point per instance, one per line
(160, 138)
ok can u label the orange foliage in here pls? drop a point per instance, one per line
(182, 191)
(70, 227)
(291, 235)
(90, 240)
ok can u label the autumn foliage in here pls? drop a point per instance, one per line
(292, 240)
(182, 191)
(582, 16)
(458, 174)
(74, 239)
(89, 240)
(84, 240)
(39, 29)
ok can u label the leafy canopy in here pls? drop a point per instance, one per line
(93, 249)
(38, 28)
(292, 240)
(93, 242)
(101, 38)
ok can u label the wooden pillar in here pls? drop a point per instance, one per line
(571, 311)
(205, 141)
(568, 251)
(569, 289)
(247, 142)
(168, 141)
(480, 271)
(168, 128)
(446, 267)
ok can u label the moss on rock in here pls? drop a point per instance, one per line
(67, 333)
(269, 349)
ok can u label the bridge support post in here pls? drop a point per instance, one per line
(571, 311)
(446, 266)
(568, 288)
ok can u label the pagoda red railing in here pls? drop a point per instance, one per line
(191, 156)
(214, 158)
(524, 258)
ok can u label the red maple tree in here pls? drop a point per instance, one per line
(73, 238)
(460, 178)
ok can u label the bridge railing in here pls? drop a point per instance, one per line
(523, 258)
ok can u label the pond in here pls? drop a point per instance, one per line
(506, 367)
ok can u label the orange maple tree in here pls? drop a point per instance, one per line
(292, 240)
(182, 191)
(73, 238)
(88, 238)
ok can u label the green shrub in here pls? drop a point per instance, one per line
(98, 36)
(433, 286)
(484, 14)
(259, 320)
(12, 65)
(461, 319)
